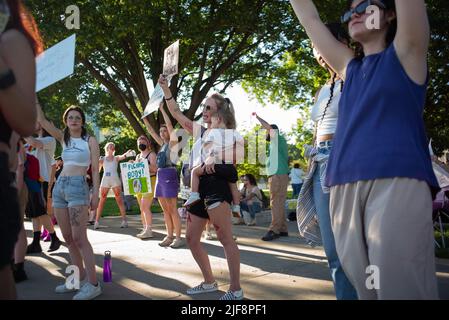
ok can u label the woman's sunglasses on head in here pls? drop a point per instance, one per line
(360, 9)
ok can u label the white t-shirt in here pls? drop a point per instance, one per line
(296, 176)
(328, 124)
(221, 143)
(46, 156)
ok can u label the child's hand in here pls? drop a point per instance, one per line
(209, 161)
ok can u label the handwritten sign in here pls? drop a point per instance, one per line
(135, 177)
(56, 63)
(171, 58)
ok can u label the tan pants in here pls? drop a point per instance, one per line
(386, 225)
(278, 194)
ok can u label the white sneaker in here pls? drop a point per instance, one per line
(209, 236)
(88, 292)
(63, 289)
(233, 295)
(147, 233)
(96, 225)
(203, 288)
(179, 242)
(124, 224)
(193, 198)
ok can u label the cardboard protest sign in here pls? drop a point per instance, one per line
(171, 59)
(135, 177)
(56, 63)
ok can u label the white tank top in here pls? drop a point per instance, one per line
(328, 124)
(76, 153)
(110, 167)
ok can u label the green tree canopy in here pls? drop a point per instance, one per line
(120, 45)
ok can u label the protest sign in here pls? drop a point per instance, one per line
(56, 63)
(135, 177)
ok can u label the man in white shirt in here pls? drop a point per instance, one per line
(296, 179)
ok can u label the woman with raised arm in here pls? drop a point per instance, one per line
(217, 195)
(111, 179)
(379, 167)
(20, 43)
(71, 195)
(167, 180)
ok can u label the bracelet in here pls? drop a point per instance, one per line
(167, 99)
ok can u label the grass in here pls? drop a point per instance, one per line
(111, 209)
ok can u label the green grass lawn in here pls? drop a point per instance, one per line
(111, 208)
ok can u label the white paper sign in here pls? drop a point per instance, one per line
(56, 63)
(155, 100)
(171, 58)
(135, 177)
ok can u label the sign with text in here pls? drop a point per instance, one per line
(135, 177)
(171, 58)
(56, 63)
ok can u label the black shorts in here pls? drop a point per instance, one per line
(37, 204)
(213, 188)
(227, 171)
(9, 213)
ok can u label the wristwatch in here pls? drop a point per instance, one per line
(7, 79)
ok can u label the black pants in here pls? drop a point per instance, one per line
(9, 213)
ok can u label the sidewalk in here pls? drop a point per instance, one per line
(284, 269)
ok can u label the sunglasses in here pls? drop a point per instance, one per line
(360, 9)
(207, 108)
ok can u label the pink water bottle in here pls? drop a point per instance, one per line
(107, 267)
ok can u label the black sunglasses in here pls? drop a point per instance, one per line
(207, 108)
(360, 9)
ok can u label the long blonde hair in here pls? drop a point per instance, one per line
(226, 110)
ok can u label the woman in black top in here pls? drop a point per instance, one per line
(19, 44)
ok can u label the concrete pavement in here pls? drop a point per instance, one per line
(284, 269)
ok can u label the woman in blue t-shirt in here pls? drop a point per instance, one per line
(379, 169)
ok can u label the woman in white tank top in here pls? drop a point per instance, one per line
(112, 180)
(313, 200)
(71, 196)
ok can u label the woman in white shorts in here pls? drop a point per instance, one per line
(112, 180)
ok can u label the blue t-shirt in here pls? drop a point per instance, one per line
(380, 130)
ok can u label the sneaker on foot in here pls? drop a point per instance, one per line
(233, 295)
(96, 225)
(88, 292)
(147, 233)
(270, 235)
(209, 236)
(252, 222)
(203, 288)
(63, 289)
(124, 224)
(193, 198)
(166, 242)
(179, 242)
(235, 208)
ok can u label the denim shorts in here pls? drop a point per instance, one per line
(70, 192)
